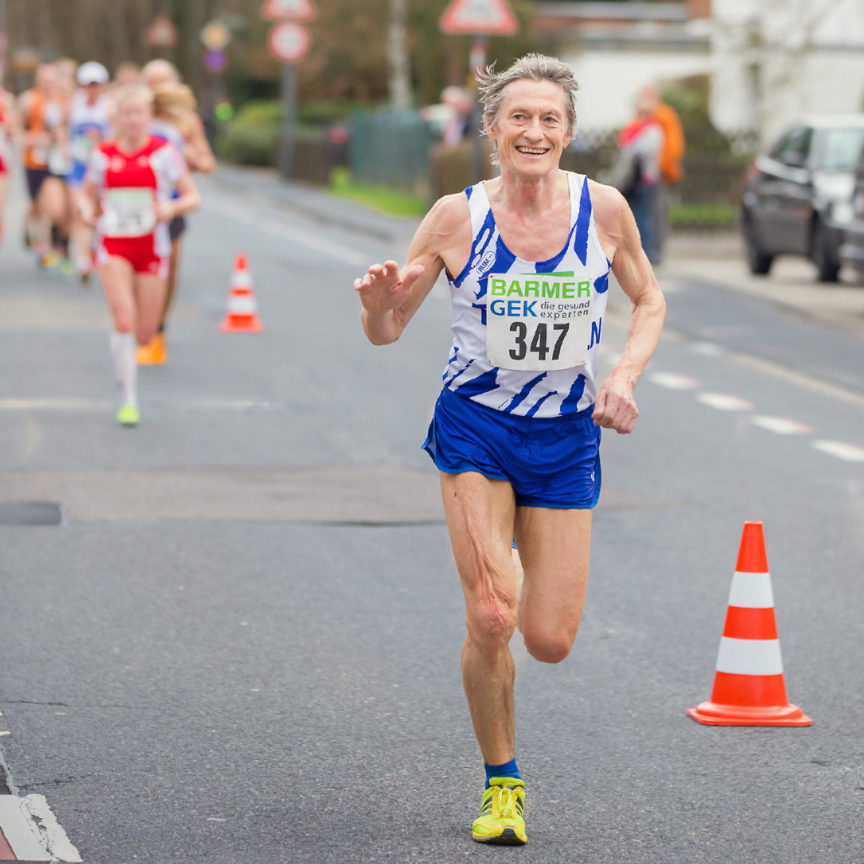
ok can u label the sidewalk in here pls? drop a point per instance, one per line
(707, 258)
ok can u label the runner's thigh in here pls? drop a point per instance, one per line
(150, 296)
(480, 515)
(117, 278)
(554, 547)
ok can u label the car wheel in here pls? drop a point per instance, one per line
(824, 255)
(758, 261)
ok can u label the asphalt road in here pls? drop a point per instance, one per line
(241, 641)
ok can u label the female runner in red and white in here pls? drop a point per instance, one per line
(129, 183)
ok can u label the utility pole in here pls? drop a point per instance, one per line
(400, 81)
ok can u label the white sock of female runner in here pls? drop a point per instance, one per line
(125, 365)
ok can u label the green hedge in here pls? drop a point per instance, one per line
(252, 136)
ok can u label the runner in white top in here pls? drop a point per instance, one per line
(89, 125)
(529, 115)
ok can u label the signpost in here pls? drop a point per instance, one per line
(289, 42)
(480, 18)
(289, 10)
(489, 17)
(215, 35)
(162, 33)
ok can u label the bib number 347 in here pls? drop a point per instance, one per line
(536, 322)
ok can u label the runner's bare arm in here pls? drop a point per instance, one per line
(390, 297)
(196, 148)
(188, 200)
(88, 203)
(615, 408)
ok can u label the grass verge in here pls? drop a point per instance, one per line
(390, 202)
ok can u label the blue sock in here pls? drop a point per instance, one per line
(508, 769)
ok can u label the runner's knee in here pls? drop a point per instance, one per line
(491, 618)
(546, 645)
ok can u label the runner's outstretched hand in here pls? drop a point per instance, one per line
(383, 289)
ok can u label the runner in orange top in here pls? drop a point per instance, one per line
(35, 141)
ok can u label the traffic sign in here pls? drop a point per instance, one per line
(215, 60)
(215, 35)
(162, 33)
(288, 41)
(493, 17)
(289, 10)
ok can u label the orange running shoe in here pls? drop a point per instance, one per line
(153, 353)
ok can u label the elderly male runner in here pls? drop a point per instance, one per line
(516, 429)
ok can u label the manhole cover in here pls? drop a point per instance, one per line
(30, 513)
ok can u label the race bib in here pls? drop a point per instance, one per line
(58, 163)
(81, 147)
(537, 321)
(128, 213)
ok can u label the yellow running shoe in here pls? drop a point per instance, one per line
(500, 819)
(128, 415)
(153, 353)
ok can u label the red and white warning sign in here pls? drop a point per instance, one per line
(289, 10)
(494, 17)
(288, 41)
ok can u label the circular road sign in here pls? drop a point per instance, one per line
(215, 35)
(288, 41)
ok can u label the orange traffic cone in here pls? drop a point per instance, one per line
(748, 686)
(241, 315)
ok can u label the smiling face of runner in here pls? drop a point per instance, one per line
(133, 116)
(531, 129)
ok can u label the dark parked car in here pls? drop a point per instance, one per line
(852, 248)
(797, 197)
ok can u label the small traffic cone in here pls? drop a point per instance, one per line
(749, 689)
(241, 315)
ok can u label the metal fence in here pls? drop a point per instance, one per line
(400, 150)
(391, 148)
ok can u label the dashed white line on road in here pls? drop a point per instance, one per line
(63, 403)
(840, 450)
(781, 425)
(671, 381)
(724, 402)
(707, 349)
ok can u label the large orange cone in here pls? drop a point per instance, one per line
(748, 686)
(241, 315)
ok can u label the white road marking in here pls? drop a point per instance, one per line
(840, 450)
(32, 830)
(671, 381)
(781, 425)
(298, 235)
(724, 402)
(707, 349)
(53, 835)
(63, 403)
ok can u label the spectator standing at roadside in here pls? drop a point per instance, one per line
(460, 125)
(641, 142)
(671, 169)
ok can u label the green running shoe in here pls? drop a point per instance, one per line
(128, 415)
(500, 819)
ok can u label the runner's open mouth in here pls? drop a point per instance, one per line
(533, 151)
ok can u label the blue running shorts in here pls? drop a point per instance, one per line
(549, 461)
